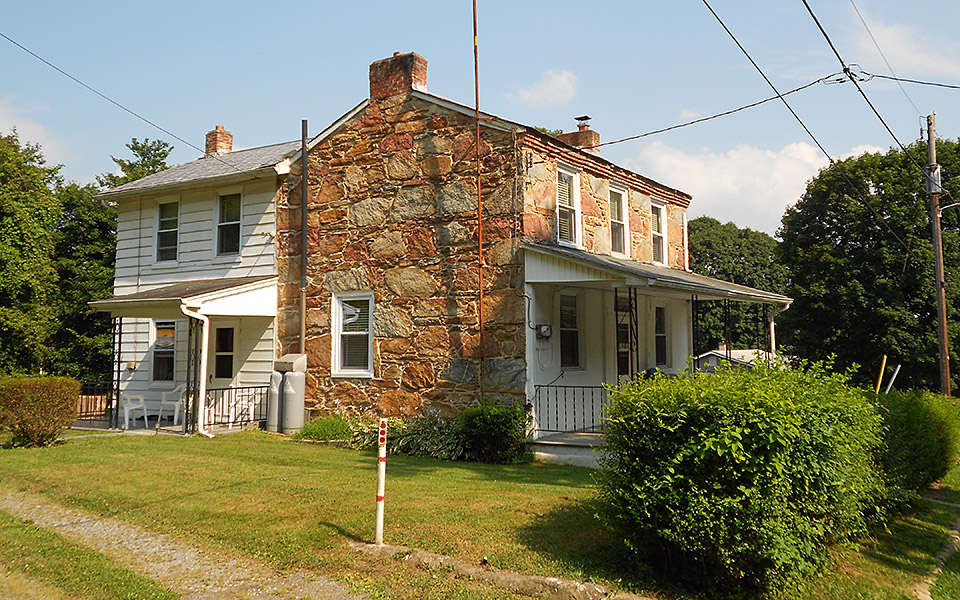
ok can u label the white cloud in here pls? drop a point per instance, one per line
(29, 131)
(555, 88)
(910, 53)
(748, 185)
(688, 115)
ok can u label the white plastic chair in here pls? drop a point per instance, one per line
(173, 399)
(131, 402)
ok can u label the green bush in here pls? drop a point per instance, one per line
(326, 427)
(428, 436)
(36, 409)
(921, 440)
(495, 433)
(740, 479)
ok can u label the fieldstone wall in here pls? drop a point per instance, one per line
(393, 211)
(540, 202)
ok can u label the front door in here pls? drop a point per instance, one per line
(222, 370)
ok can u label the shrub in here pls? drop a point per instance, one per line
(36, 409)
(495, 433)
(326, 427)
(428, 436)
(921, 438)
(743, 476)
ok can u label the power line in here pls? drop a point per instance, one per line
(827, 78)
(883, 56)
(843, 173)
(904, 79)
(111, 100)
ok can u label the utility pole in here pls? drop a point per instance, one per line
(934, 189)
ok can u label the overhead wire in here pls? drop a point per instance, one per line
(830, 158)
(112, 101)
(884, 56)
(825, 79)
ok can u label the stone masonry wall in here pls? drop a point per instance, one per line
(540, 197)
(393, 211)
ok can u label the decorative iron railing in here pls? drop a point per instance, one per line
(236, 405)
(563, 408)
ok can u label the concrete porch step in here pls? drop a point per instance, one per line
(578, 448)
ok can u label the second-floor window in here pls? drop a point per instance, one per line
(618, 222)
(168, 224)
(228, 225)
(658, 231)
(568, 211)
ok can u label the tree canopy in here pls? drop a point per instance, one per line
(29, 211)
(738, 255)
(858, 292)
(150, 156)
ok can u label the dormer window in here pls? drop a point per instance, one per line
(568, 207)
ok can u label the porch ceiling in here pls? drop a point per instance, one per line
(548, 262)
(231, 296)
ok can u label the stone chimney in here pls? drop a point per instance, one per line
(398, 74)
(583, 137)
(219, 141)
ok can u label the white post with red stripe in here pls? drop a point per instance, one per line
(381, 477)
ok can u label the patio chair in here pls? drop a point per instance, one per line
(173, 399)
(131, 402)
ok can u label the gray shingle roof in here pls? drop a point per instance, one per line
(210, 167)
(186, 289)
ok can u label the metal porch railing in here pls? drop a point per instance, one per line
(236, 405)
(565, 408)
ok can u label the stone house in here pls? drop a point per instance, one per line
(583, 277)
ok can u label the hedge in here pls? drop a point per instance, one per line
(742, 478)
(36, 409)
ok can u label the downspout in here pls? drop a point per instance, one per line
(686, 243)
(202, 379)
(304, 197)
(480, 315)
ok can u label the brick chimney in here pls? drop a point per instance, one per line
(583, 137)
(219, 141)
(398, 74)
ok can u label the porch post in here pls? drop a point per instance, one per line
(114, 420)
(773, 332)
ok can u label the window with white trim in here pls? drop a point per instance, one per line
(568, 207)
(660, 336)
(352, 326)
(164, 350)
(658, 231)
(569, 331)
(168, 225)
(618, 222)
(228, 225)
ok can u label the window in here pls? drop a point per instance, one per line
(568, 213)
(168, 219)
(618, 222)
(352, 335)
(223, 353)
(660, 335)
(658, 231)
(228, 225)
(164, 347)
(569, 331)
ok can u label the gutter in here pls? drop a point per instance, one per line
(202, 375)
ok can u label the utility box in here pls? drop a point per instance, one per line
(285, 398)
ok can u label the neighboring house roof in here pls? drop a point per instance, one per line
(212, 166)
(194, 293)
(745, 357)
(656, 276)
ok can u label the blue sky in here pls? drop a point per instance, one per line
(258, 68)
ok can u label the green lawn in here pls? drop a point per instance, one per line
(37, 563)
(296, 505)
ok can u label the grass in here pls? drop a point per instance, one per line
(295, 506)
(40, 563)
